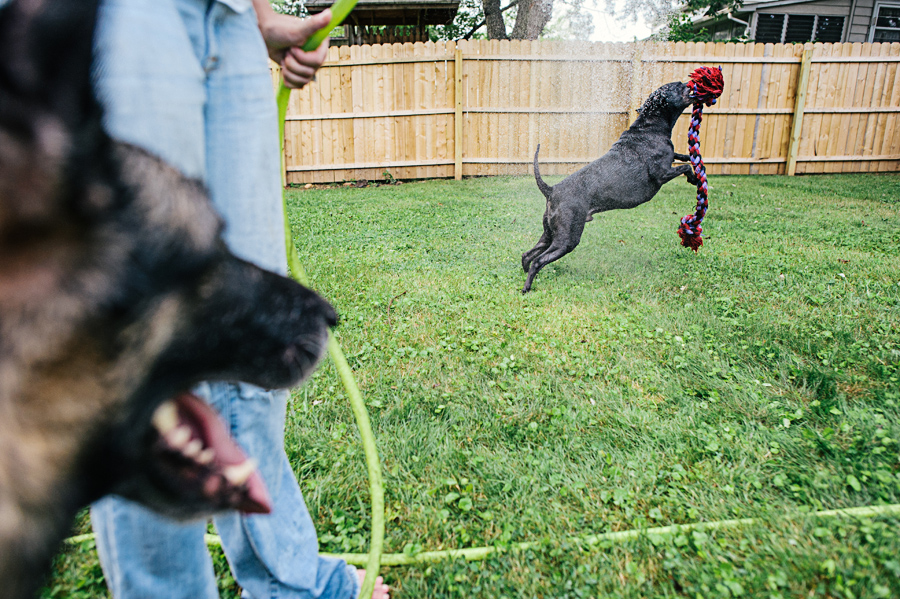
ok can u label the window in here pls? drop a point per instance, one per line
(799, 28)
(770, 29)
(887, 24)
(829, 29)
(776, 29)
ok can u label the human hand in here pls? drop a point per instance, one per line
(284, 35)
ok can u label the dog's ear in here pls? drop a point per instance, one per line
(55, 159)
(45, 58)
(49, 118)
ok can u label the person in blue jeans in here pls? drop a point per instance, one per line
(189, 81)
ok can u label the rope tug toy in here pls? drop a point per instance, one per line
(706, 85)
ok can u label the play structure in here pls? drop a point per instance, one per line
(706, 84)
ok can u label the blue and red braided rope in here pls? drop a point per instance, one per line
(706, 85)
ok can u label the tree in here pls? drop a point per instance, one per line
(671, 15)
(290, 7)
(518, 20)
(469, 18)
(529, 18)
(711, 7)
(575, 22)
(681, 29)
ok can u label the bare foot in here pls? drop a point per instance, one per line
(382, 591)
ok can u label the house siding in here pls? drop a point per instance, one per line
(829, 8)
(857, 26)
(861, 21)
(726, 30)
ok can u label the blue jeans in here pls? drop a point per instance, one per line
(189, 81)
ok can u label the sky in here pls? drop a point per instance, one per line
(610, 29)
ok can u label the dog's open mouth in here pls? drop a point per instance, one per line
(193, 447)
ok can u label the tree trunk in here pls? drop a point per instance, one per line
(533, 16)
(496, 28)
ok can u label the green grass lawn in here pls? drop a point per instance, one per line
(638, 384)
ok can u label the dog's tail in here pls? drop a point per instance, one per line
(545, 189)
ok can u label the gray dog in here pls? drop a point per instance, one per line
(627, 176)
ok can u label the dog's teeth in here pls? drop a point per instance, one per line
(206, 456)
(192, 449)
(165, 418)
(179, 437)
(238, 475)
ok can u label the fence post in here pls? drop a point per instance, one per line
(799, 107)
(458, 124)
(635, 101)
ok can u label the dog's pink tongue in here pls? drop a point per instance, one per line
(256, 499)
(251, 496)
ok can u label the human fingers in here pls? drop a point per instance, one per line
(313, 59)
(297, 80)
(296, 73)
(299, 67)
(304, 28)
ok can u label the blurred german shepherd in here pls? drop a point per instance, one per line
(117, 296)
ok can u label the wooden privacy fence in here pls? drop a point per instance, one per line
(428, 110)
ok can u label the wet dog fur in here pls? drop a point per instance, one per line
(631, 173)
(116, 294)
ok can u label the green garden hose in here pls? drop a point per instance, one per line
(376, 487)
(340, 10)
(480, 553)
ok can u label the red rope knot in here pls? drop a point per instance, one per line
(706, 86)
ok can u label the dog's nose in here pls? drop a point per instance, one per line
(320, 307)
(331, 316)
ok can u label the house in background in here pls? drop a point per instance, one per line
(379, 22)
(786, 21)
